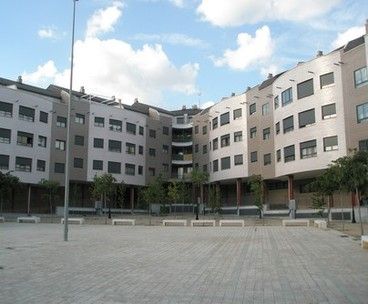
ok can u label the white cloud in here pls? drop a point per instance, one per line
(349, 34)
(178, 3)
(103, 20)
(172, 38)
(270, 69)
(46, 33)
(251, 50)
(238, 12)
(207, 104)
(42, 75)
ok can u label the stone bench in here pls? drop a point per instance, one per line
(295, 223)
(203, 223)
(364, 241)
(2, 219)
(28, 219)
(320, 224)
(123, 221)
(231, 223)
(174, 223)
(72, 220)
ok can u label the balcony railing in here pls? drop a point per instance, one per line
(184, 176)
(185, 157)
(182, 138)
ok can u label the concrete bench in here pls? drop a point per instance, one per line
(364, 241)
(123, 221)
(320, 224)
(72, 220)
(174, 222)
(295, 223)
(28, 219)
(203, 223)
(231, 223)
(2, 219)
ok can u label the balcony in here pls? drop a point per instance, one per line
(182, 177)
(182, 140)
(180, 159)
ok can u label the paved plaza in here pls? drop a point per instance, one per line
(141, 264)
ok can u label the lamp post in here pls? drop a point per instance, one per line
(66, 192)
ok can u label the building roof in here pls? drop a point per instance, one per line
(191, 111)
(354, 43)
(269, 81)
(144, 108)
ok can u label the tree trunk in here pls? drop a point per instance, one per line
(359, 213)
(50, 202)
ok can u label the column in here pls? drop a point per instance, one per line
(238, 194)
(290, 187)
(132, 198)
(29, 200)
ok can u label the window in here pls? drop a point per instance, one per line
(253, 132)
(326, 79)
(131, 128)
(204, 130)
(253, 157)
(329, 111)
(215, 165)
(140, 150)
(4, 162)
(266, 133)
(180, 120)
(238, 159)
(152, 133)
(204, 149)
(59, 168)
(23, 164)
(130, 148)
(265, 109)
(97, 164)
(151, 171)
(99, 122)
(60, 145)
(115, 146)
(306, 118)
(278, 155)
(361, 77)
(165, 167)
(165, 130)
(288, 124)
(79, 119)
(308, 149)
(79, 140)
(78, 163)
(215, 144)
(141, 130)
(6, 109)
(267, 159)
(196, 130)
(115, 125)
(140, 170)
(26, 113)
(98, 143)
(225, 140)
(44, 117)
(42, 141)
(289, 153)
(196, 148)
(225, 163)
(225, 118)
(276, 102)
(277, 127)
(330, 144)
(287, 97)
(114, 167)
(252, 109)
(25, 139)
(61, 122)
(165, 149)
(237, 113)
(362, 112)
(363, 145)
(238, 136)
(305, 88)
(214, 123)
(5, 136)
(152, 152)
(129, 169)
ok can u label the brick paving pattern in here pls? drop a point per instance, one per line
(119, 264)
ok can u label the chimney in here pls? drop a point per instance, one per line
(82, 90)
(248, 88)
(366, 27)
(136, 100)
(232, 94)
(184, 108)
(194, 107)
(20, 80)
(269, 76)
(319, 54)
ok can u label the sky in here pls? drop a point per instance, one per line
(169, 53)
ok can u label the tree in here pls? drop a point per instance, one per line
(256, 187)
(154, 193)
(215, 199)
(198, 178)
(51, 188)
(173, 193)
(103, 188)
(8, 182)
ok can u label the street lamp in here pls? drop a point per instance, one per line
(66, 192)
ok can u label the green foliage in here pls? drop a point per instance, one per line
(256, 187)
(318, 202)
(174, 192)
(51, 188)
(215, 199)
(8, 182)
(199, 177)
(155, 192)
(103, 186)
(118, 194)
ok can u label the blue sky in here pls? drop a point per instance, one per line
(170, 52)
